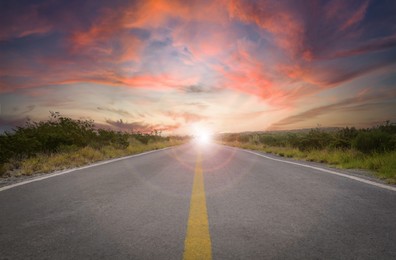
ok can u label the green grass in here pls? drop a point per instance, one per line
(44, 163)
(382, 165)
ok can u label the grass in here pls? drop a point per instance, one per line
(45, 163)
(383, 165)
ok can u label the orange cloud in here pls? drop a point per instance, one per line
(153, 13)
(273, 17)
(107, 40)
(243, 72)
(205, 29)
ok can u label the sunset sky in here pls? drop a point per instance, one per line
(178, 66)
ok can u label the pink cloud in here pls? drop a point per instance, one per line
(154, 13)
(274, 17)
(98, 41)
(356, 17)
(186, 116)
(243, 72)
(97, 50)
(301, 31)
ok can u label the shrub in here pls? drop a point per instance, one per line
(272, 140)
(373, 141)
(63, 134)
(116, 139)
(143, 138)
(45, 137)
(315, 140)
(343, 138)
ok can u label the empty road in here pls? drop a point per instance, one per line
(198, 202)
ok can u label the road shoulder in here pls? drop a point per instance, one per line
(356, 174)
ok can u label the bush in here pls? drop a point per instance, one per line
(272, 140)
(373, 149)
(63, 134)
(116, 139)
(377, 139)
(343, 138)
(46, 137)
(374, 141)
(315, 140)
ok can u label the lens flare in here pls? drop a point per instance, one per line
(204, 138)
(202, 135)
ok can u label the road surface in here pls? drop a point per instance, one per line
(198, 202)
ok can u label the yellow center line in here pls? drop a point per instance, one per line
(197, 244)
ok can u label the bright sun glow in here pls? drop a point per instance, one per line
(202, 135)
(204, 138)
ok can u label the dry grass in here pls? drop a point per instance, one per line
(43, 163)
(382, 165)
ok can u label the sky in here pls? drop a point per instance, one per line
(180, 66)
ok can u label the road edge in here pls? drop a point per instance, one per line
(380, 185)
(50, 175)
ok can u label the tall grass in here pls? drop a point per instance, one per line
(44, 163)
(61, 143)
(369, 149)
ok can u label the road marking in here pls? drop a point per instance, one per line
(197, 244)
(380, 185)
(77, 169)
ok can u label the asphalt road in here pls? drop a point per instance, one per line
(142, 207)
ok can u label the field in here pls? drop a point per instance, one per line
(61, 143)
(372, 149)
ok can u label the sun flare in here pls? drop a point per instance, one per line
(202, 135)
(204, 138)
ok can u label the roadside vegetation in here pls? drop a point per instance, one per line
(61, 143)
(372, 149)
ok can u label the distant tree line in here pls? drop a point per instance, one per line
(61, 133)
(378, 139)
